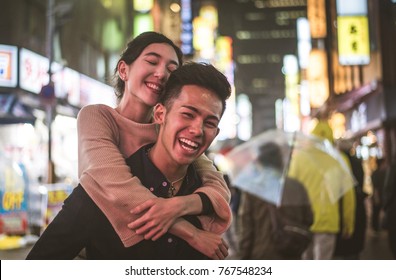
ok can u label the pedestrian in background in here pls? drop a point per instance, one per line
(376, 201)
(255, 225)
(350, 248)
(390, 205)
(311, 173)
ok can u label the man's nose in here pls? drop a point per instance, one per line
(196, 128)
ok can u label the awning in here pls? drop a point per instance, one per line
(349, 100)
(12, 111)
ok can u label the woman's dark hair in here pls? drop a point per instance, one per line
(134, 48)
(199, 74)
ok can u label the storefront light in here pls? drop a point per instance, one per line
(142, 23)
(318, 78)
(175, 7)
(338, 124)
(142, 5)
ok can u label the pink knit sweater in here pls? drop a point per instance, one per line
(106, 138)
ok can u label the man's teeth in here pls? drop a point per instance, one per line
(188, 144)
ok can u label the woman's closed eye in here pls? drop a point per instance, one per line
(152, 62)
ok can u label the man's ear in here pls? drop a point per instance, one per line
(159, 113)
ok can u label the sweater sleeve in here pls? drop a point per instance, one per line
(104, 173)
(215, 187)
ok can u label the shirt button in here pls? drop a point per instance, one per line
(164, 184)
(170, 240)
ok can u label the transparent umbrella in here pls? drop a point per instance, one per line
(262, 166)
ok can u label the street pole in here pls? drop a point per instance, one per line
(49, 98)
(47, 94)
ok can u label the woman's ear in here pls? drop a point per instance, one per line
(159, 113)
(122, 68)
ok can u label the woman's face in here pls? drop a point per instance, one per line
(145, 78)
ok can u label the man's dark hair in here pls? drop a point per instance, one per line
(134, 48)
(200, 74)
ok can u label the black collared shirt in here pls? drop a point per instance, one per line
(154, 180)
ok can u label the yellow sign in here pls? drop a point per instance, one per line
(57, 196)
(12, 201)
(353, 40)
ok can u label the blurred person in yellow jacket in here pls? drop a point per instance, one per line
(313, 168)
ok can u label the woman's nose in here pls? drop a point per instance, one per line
(161, 73)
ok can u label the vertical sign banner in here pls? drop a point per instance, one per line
(353, 32)
(8, 66)
(186, 35)
(13, 197)
(353, 40)
(317, 76)
(317, 18)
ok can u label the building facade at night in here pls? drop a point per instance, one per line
(290, 62)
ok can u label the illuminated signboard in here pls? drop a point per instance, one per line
(13, 197)
(187, 28)
(56, 195)
(316, 10)
(353, 40)
(67, 84)
(8, 66)
(317, 76)
(33, 71)
(353, 32)
(94, 92)
(78, 89)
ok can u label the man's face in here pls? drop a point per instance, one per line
(190, 125)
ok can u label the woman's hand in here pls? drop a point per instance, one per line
(158, 215)
(209, 244)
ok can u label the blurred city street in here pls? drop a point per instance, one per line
(291, 66)
(376, 248)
